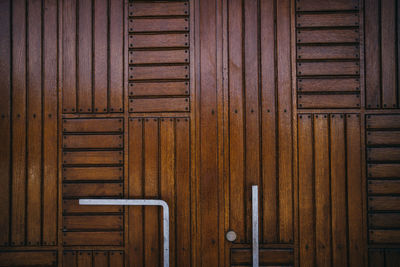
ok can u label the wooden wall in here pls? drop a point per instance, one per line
(193, 102)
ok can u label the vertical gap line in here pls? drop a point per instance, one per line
(380, 54)
(159, 186)
(143, 191)
(346, 185)
(26, 114)
(260, 124)
(93, 61)
(108, 54)
(11, 123)
(42, 125)
(276, 119)
(77, 104)
(329, 118)
(314, 218)
(175, 207)
(243, 6)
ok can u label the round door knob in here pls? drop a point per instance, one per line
(231, 236)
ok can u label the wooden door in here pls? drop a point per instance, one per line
(193, 102)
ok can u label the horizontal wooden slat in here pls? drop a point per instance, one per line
(312, 5)
(166, 56)
(92, 238)
(328, 36)
(384, 236)
(328, 101)
(105, 222)
(384, 170)
(328, 52)
(327, 20)
(384, 203)
(267, 256)
(92, 141)
(158, 88)
(93, 157)
(158, 9)
(92, 173)
(383, 138)
(158, 25)
(28, 258)
(158, 40)
(328, 85)
(93, 190)
(383, 121)
(384, 187)
(158, 72)
(159, 105)
(384, 220)
(72, 206)
(328, 68)
(93, 125)
(383, 154)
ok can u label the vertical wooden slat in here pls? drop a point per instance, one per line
(167, 178)
(85, 56)
(69, 56)
(322, 191)
(269, 171)
(100, 259)
(116, 56)
(84, 259)
(50, 136)
(183, 197)
(208, 169)
(100, 55)
(306, 196)
(19, 123)
(34, 114)
(392, 257)
(251, 98)
(236, 142)
(151, 190)
(388, 43)
(338, 191)
(135, 219)
(354, 191)
(69, 259)
(117, 259)
(5, 138)
(372, 52)
(284, 122)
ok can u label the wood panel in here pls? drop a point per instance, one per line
(159, 159)
(268, 257)
(260, 149)
(159, 105)
(158, 88)
(138, 9)
(158, 25)
(384, 257)
(92, 125)
(330, 192)
(158, 40)
(92, 239)
(383, 173)
(382, 88)
(95, 258)
(92, 173)
(28, 258)
(327, 45)
(92, 56)
(28, 119)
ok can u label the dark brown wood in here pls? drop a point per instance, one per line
(158, 72)
(327, 20)
(92, 190)
(329, 101)
(310, 5)
(158, 25)
(327, 36)
(92, 173)
(93, 239)
(383, 121)
(384, 220)
(92, 125)
(328, 85)
(270, 257)
(110, 222)
(158, 88)
(162, 56)
(28, 258)
(328, 52)
(71, 206)
(159, 105)
(158, 40)
(384, 236)
(138, 9)
(94, 157)
(92, 141)
(327, 68)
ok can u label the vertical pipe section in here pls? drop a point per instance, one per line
(254, 190)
